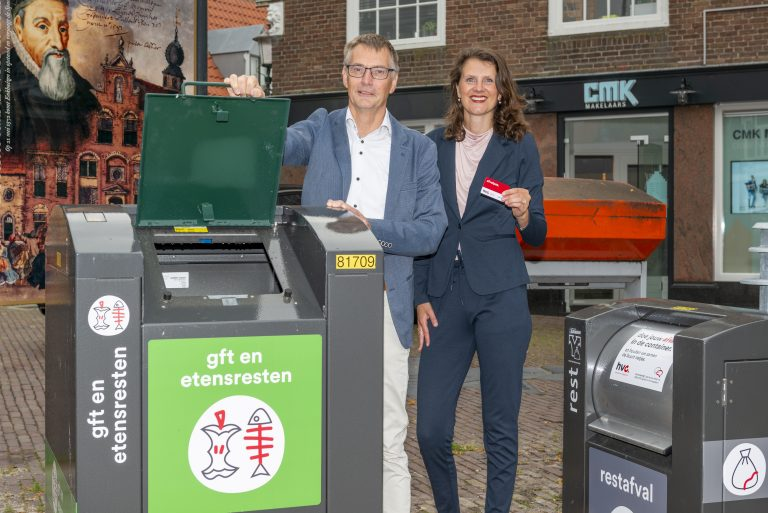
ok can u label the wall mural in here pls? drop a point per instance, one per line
(73, 75)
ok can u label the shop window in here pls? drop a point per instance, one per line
(38, 172)
(88, 166)
(62, 178)
(588, 16)
(104, 135)
(406, 23)
(741, 189)
(130, 130)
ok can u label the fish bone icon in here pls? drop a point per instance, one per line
(262, 426)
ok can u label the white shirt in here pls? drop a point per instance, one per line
(370, 167)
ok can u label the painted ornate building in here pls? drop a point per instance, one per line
(104, 168)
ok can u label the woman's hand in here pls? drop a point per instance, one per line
(518, 200)
(425, 312)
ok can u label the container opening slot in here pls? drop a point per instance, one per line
(684, 319)
(193, 269)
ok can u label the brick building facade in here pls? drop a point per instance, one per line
(307, 57)
(686, 131)
(103, 168)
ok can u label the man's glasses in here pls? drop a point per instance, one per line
(377, 72)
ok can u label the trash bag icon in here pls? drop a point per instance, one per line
(745, 475)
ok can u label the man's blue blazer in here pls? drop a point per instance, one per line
(414, 216)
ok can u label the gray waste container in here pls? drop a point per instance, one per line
(210, 352)
(665, 409)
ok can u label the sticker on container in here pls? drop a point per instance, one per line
(574, 343)
(190, 229)
(108, 316)
(177, 280)
(644, 360)
(744, 469)
(237, 445)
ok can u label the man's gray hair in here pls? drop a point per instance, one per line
(376, 42)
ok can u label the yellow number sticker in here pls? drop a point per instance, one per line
(355, 262)
(190, 229)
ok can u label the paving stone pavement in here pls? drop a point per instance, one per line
(22, 422)
(539, 472)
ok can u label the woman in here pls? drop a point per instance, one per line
(764, 191)
(471, 295)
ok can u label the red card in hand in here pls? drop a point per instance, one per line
(493, 189)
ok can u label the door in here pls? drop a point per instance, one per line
(746, 437)
(636, 149)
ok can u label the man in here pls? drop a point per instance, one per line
(751, 191)
(362, 160)
(50, 100)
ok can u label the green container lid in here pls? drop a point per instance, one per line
(210, 160)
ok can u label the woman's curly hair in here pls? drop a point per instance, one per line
(508, 118)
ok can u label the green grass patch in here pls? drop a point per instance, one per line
(458, 449)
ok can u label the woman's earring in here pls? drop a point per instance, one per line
(459, 99)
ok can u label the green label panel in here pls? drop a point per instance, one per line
(234, 424)
(58, 495)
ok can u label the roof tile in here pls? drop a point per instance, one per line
(235, 13)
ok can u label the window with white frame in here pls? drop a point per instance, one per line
(406, 23)
(741, 188)
(587, 16)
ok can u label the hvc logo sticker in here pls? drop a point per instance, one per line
(237, 445)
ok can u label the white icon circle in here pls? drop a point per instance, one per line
(237, 445)
(108, 316)
(622, 509)
(744, 469)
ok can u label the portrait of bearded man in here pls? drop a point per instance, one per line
(50, 102)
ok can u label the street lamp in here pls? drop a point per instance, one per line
(532, 100)
(265, 59)
(682, 92)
